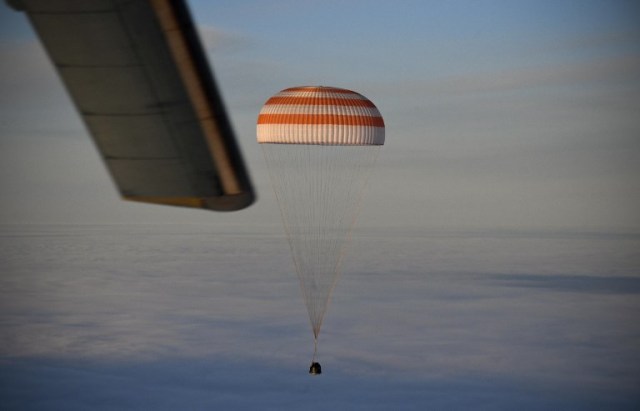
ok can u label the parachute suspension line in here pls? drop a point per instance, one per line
(357, 182)
(278, 169)
(315, 349)
(280, 186)
(319, 190)
(278, 191)
(368, 164)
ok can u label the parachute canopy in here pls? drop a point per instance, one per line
(320, 116)
(319, 144)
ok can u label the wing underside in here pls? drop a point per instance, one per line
(141, 82)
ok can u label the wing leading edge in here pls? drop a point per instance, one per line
(139, 78)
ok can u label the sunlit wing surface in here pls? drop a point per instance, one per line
(139, 78)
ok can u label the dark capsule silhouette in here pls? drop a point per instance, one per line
(315, 368)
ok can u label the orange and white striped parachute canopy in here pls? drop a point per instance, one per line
(320, 116)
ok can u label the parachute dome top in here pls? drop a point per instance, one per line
(318, 115)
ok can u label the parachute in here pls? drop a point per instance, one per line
(319, 144)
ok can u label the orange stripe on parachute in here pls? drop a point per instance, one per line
(312, 119)
(319, 101)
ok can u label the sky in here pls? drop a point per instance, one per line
(499, 114)
(495, 260)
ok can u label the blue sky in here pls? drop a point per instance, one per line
(500, 114)
(496, 261)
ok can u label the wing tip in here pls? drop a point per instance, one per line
(231, 202)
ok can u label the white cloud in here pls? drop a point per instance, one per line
(620, 70)
(216, 319)
(223, 41)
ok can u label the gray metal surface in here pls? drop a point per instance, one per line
(137, 74)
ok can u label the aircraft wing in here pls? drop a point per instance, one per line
(139, 78)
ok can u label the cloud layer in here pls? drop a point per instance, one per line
(436, 319)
